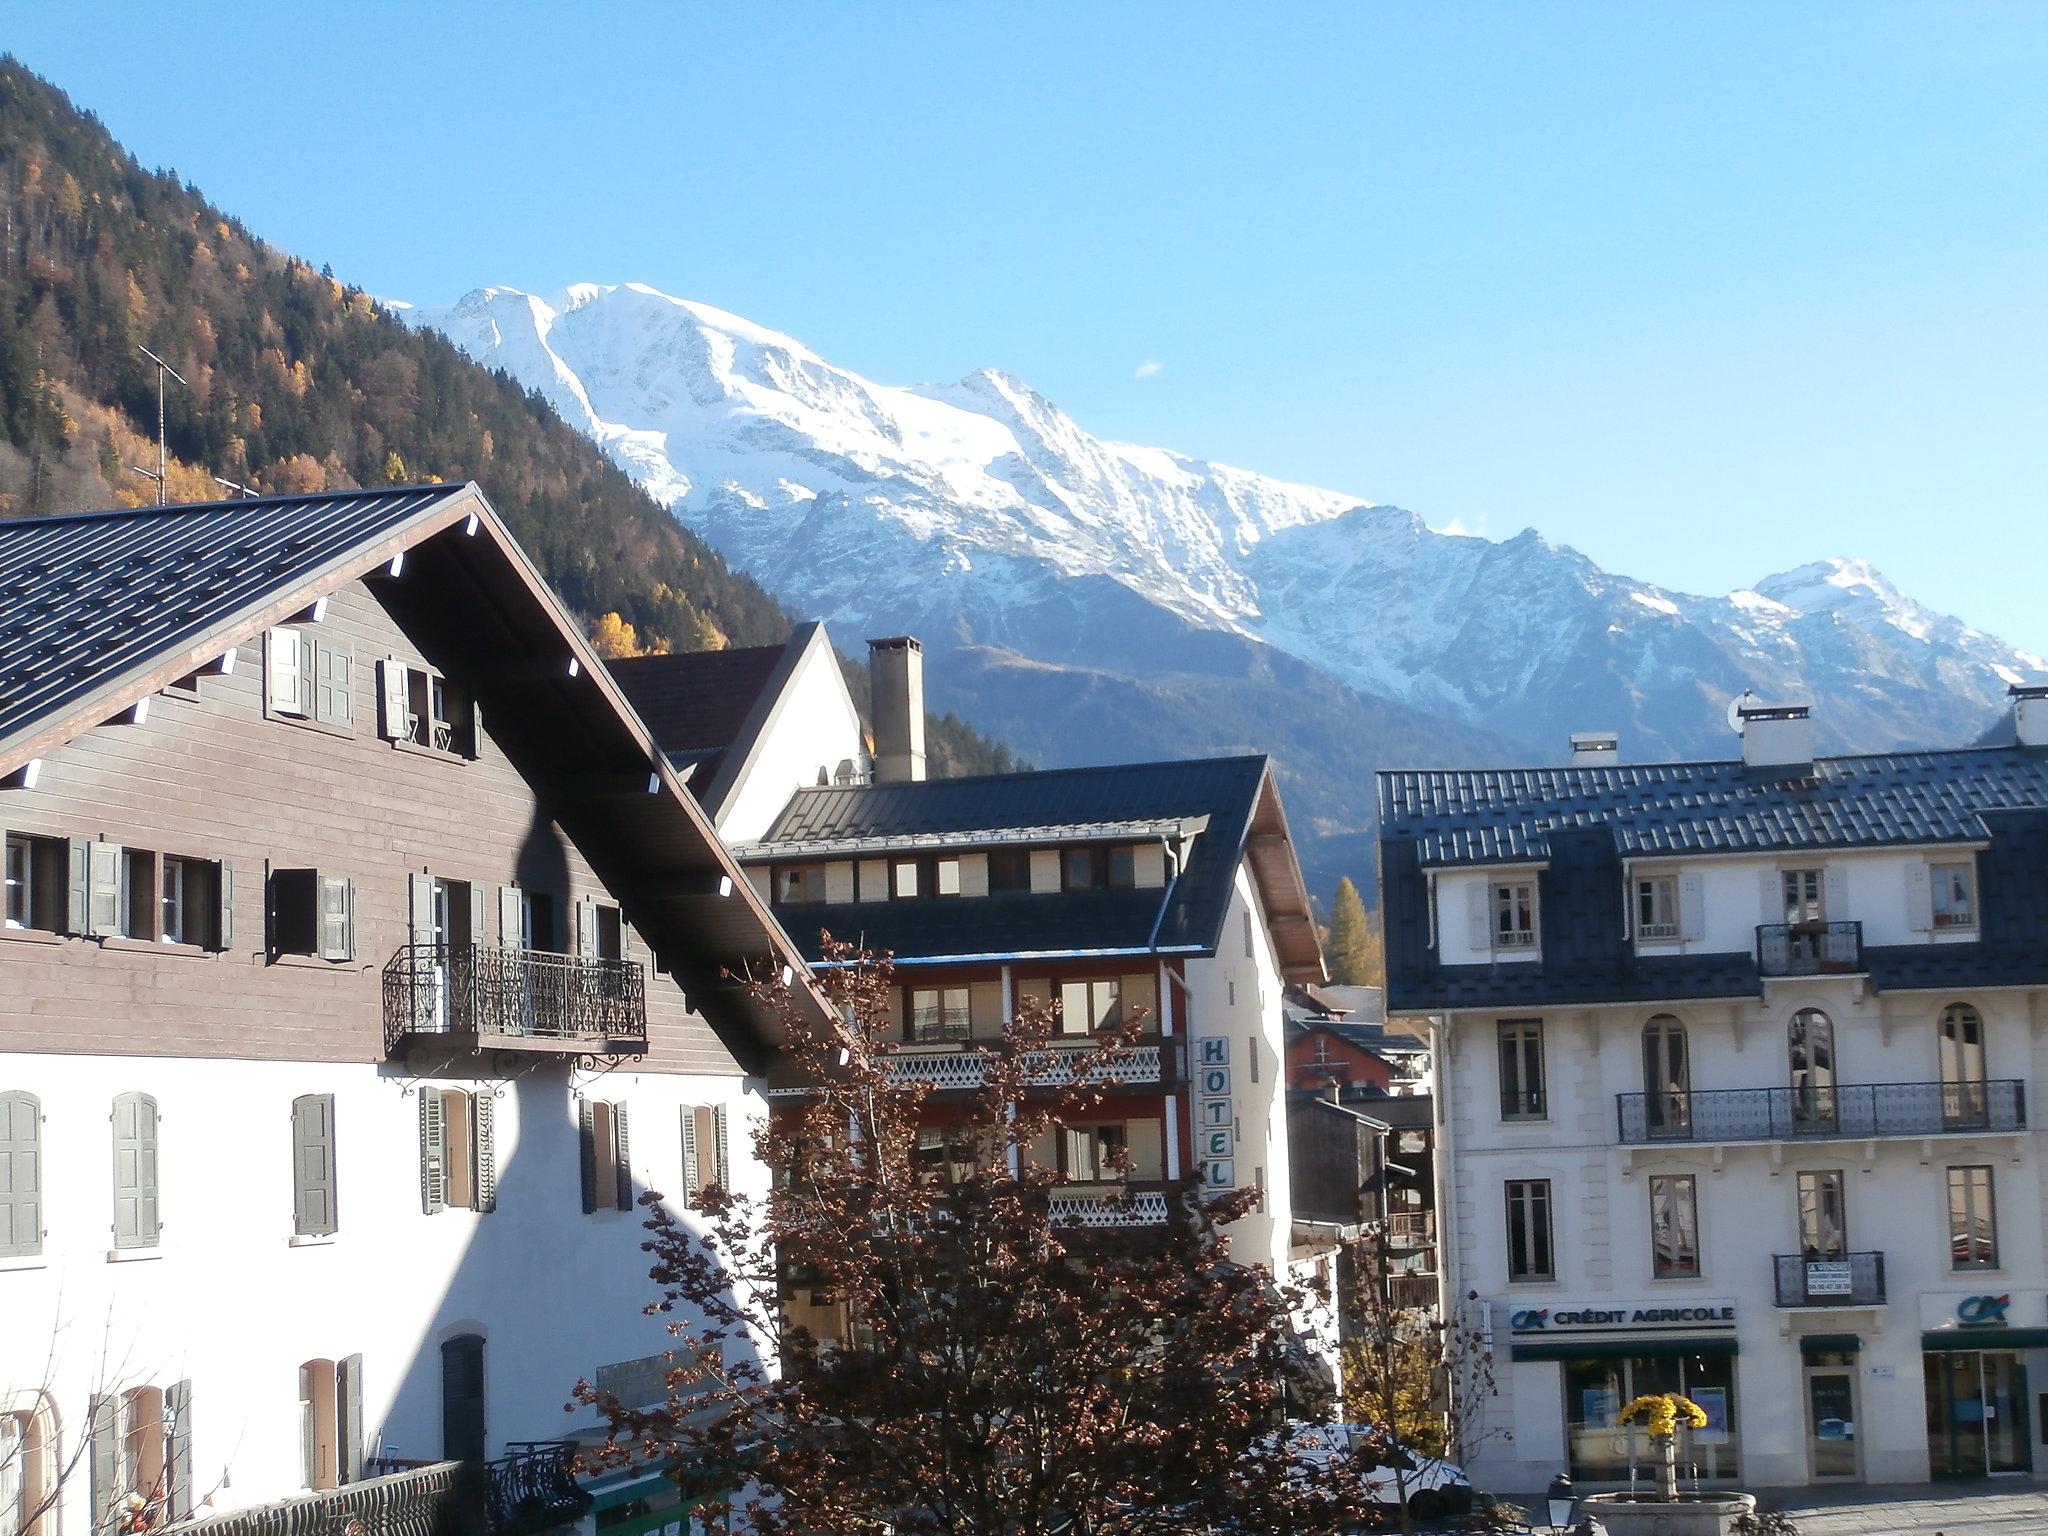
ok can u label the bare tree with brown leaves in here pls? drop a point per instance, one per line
(998, 1367)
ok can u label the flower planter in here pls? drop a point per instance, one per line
(1690, 1514)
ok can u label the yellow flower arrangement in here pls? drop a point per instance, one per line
(1661, 1412)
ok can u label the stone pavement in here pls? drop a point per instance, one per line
(1955, 1509)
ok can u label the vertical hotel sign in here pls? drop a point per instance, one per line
(1216, 1123)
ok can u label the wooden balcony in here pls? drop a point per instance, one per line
(475, 997)
(1109, 1205)
(1145, 1065)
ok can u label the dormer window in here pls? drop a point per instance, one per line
(798, 885)
(1514, 914)
(1009, 869)
(1656, 906)
(1955, 896)
(1094, 869)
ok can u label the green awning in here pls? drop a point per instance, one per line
(1944, 1341)
(1619, 1349)
(1829, 1344)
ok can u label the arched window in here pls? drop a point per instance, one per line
(1964, 1097)
(28, 1471)
(462, 1398)
(1667, 1076)
(1811, 1043)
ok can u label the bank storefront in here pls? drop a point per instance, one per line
(1976, 1352)
(1607, 1353)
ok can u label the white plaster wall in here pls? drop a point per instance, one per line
(229, 1303)
(814, 729)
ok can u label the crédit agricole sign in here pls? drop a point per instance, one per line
(1707, 1315)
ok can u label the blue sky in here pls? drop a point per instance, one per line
(1705, 290)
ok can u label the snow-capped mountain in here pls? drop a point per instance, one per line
(981, 516)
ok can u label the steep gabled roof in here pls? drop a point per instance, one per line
(111, 607)
(1232, 801)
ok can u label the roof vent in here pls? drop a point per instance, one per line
(1595, 749)
(1774, 735)
(2030, 713)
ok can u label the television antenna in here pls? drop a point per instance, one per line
(160, 473)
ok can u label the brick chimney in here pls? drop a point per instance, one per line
(896, 667)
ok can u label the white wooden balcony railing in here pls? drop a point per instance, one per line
(1054, 1068)
(1105, 1208)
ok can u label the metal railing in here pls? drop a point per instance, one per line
(1134, 1206)
(1841, 1280)
(531, 1489)
(443, 1498)
(510, 995)
(1809, 949)
(1822, 1114)
(1056, 1067)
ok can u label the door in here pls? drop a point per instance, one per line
(1812, 1045)
(1823, 1215)
(1831, 1442)
(1805, 915)
(1965, 1101)
(462, 1398)
(1667, 1077)
(1977, 1414)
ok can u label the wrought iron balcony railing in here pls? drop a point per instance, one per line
(1809, 949)
(1855, 1112)
(531, 1489)
(1841, 1280)
(519, 999)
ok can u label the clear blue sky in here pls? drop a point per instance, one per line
(1704, 290)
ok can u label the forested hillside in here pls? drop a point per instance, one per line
(296, 381)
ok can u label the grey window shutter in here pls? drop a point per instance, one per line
(342, 680)
(337, 918)
(135, 1171)
(511, 917)
(1835, 892)
(586, 928)
(724, 1163)
(1479, 917)
(1919, 897)
(1692, 908)
(624, 1151)
(485, 1142)
(105, 1428)
(433, 1152)
(21, 1175)
(224, 905)
(690, 1181)
(77, 886)
(394, 722)
(1773, 893)
(419, 906)
(586, 1140)
(178, 1461)
(350, 1462)
(475, 896)
(475, 745)
(313, 1174)
(103, 865)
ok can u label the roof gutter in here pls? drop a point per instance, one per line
(1172, 882)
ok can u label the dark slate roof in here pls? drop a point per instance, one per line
(89, 599)
(1186, 917)
(1512, 816)
(1368, 1036)
(698, 701)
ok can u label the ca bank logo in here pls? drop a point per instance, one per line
(1535, 1317)
(1982, 1311)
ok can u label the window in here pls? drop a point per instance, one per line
(945, 1153)
(463, 1425)
(424, 709)
(939, 1013)
(196, 902)
(1080, 869)
(312, 914)
(135, 1171)
(458, 1151)
(704, 1152)
(1009, 869)
(1972, 1228)
(903, 882)
(1667, 1076)
(1514, 914)
(1954, 905)
(1811, 1043)
(309, 679)
(1823, 1215)
(1965, 1098)
(1656, 906)
(1804, 899)
(946, 877)
(1093, 1153)
(1674, 1228)
(799, 885)
(141, 1448)
(1521, 1069)
(331, 1422)
(313, 1211)
(1086, 1006)
(607, 1164)
(35, 882)
(1529, 1251)
(28, 1471)
(1122, 870)
(21, 1180)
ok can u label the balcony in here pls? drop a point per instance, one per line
(1809, 949)
(1108, 1205)
(530, 1489)
(1407, 1229)
(1845, 1280)
(1857, 1113)
(1412, 1291)
(476, 997)
(1056, 1067)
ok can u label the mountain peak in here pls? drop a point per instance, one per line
(1827, 583)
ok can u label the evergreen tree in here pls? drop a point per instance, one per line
(1353, 942)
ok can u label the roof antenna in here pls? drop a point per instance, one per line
(162, 455)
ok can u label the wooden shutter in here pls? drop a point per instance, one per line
(1834, 884)
(474, 746)
(21, 1175)
(586, 928)
(349, 1383)
(333, 670)
(473, 895)
(284, 654)
(1692, 907)
(313, 1207)
(178, 1463)
(1919, 897)
(622, 1148)
(309, 1424)
(1772, 889)
(511, 917)
(394, 721)
(103, 873)
(433, 1152)
(723, 1165)
(337, 918)
(483, 1111)
(78, 886)
(690, 1144)
(104, 1421)
(223, 905)
(586, 1138)
(1479, 917)
(135, 1171)
(419, 908)
(463, 1429)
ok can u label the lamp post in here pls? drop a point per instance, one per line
(1561, 1500)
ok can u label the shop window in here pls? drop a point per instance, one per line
(1595, 1392)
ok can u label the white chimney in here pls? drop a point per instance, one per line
(1595, 749)
(1776, 735)
(896, 667)
(2030, 713)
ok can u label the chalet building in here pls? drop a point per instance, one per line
(1735, 1061)
(363, 958)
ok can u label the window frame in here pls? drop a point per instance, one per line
(1989, 1214)
(1656, 890)
(943, 1033)
(1521, 1035)
(1686, 1230)
(1514, 939)
(1531, 1218)
(807, 877)
(1949, 921)
(1009, 871)
(37, 875)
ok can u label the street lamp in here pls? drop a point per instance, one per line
(1561, 1499)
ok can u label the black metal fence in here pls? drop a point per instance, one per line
(531, 1488)
(510, 994)
(1788, 1114)
(1809, 949)
(1841, 1280)
(444, 1498)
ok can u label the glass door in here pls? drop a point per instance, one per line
(1831, 1422)
(1977, 1414)
(1812, 1045)
(1823, 1215)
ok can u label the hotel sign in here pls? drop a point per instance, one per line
(1215, 1113)
(1715, 1315)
